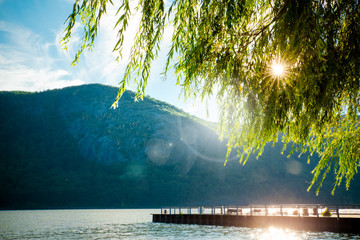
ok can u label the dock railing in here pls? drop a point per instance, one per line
(295, 210)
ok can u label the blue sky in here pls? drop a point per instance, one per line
(31, 58)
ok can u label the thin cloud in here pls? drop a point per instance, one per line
(27, 64)
(29, 79)
(98, 65)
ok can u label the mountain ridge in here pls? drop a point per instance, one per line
(67, 148)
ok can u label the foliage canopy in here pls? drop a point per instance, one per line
(229, 45)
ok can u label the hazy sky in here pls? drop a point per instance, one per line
(31, 58)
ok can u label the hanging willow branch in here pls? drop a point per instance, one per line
(230, 44)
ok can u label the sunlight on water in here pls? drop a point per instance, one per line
(279, 234)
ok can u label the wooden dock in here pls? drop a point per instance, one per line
(267, 216)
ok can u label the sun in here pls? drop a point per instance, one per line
(278, 69)
(277, 72)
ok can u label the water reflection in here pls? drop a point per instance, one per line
(279, 234)
(131, 224)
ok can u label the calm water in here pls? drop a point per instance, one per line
(129, 224)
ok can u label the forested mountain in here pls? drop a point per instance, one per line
(68, 149)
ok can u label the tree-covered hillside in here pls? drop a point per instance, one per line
(68, 149)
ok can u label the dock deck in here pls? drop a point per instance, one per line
(344, 219)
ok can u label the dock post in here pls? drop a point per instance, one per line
(189, 210)
(281, 212)
(317, 210)
(250, 210)
(337, 211)
(237, 210)
(179, 210)
(170, 211)
(266, 210)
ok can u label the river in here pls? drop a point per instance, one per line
(130, 224)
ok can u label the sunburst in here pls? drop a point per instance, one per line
(278, 71)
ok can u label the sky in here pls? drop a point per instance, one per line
(31, 58)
